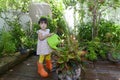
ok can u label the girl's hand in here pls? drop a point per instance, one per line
(50, 34)
(44, 37)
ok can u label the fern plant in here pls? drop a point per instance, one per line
(7, 46)
(115, 51)
(96, 49)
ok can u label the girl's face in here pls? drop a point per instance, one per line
(43, 25)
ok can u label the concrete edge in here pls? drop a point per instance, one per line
(17, 59)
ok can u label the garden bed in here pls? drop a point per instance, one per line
(8, 62)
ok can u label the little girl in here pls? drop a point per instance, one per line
(43, 49)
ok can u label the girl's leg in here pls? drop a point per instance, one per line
(41, 69)
(48, 62)
(41, 58)
(48, 57)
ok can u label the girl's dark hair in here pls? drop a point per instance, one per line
(42, 19)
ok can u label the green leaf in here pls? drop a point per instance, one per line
(60, 61)
(71, 56)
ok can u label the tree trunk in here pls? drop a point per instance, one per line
(95, 27)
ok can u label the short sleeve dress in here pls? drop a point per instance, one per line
(42, 46)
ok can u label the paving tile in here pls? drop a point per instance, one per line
(103, 70)
(27, 70)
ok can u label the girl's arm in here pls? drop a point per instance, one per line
(41, 37)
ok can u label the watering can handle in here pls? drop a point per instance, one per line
(57, 36)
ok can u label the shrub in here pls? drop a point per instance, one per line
(7, 46)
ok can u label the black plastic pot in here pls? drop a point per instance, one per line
(23, 50)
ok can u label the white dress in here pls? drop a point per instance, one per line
(42, 45)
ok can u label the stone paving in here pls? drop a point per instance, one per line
(100, 70)
(27, 70)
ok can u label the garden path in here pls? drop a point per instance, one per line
(102, 70)
(27, 70)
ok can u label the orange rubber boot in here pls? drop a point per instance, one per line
(41, 70)
(49, 64)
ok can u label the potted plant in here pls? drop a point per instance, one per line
(114, 52)
(68, 60)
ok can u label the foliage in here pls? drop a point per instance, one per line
(85, 32)
(58, 18)
(21, 5)
(27, 38)
(17, 32)
(68, 55)
(96, 50)
(91, 10)
(70, 2)
(22, 38)
(115, 51)
(92, 48)
(57, 22)
(107, 32)
(52, 25)
(116, 55)
(7, 45)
